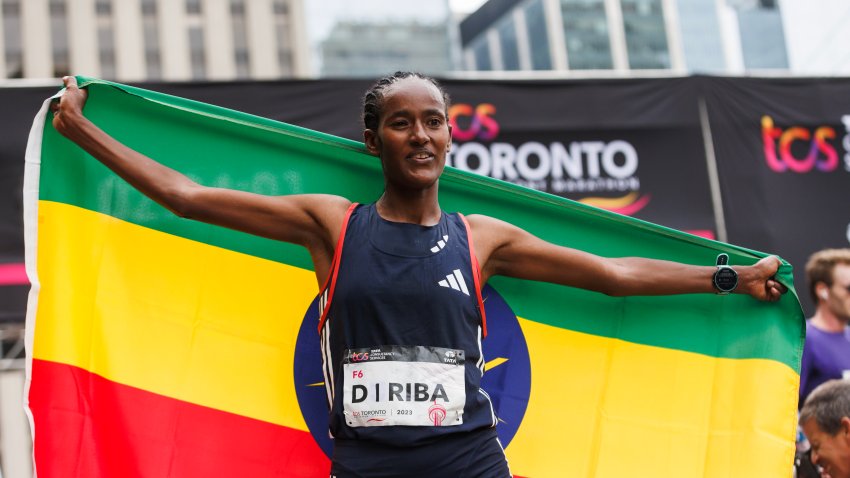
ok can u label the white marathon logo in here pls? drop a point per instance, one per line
(581, 166)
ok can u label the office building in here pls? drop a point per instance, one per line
(625, 36)
(373, 49)
(136, 40)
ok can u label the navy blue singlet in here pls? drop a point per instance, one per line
(401, 329)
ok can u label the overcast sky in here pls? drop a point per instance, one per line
(817, 31)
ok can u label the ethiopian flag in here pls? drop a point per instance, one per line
(163, 347)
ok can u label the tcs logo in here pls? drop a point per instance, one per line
(799, 149)
(478, 122)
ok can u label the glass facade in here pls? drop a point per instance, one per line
(586, 34)
(508, 44)
(699, 27)
(481, 51)
(762, 37)
(370, 49)
(646, 37)
(538, 38)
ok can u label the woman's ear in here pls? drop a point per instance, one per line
(372, 142)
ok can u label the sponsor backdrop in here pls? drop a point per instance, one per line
(632, 146)
(783, 154)
(165, 347)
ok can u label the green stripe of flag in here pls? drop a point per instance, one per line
(225, 148)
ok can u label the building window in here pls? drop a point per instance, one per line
(103, 8)
(538, 37)
(150, 32)
(59, 38)
(196, 52)
(105, 38)
(646, 37)
(240, 38)
(481, 52)
(586, 34)
(106, 48)
(280, 7)
(508, 44)
(286, 63)
(193, 7)
(283, 32)
(12, 38)
(762, 36)
(149, 8)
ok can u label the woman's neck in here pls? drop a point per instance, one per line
(422, 209)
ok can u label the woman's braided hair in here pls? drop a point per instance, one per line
(373, 100)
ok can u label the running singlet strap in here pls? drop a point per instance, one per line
(476, 274)
(330, 282)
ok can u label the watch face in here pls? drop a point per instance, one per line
(725, 279)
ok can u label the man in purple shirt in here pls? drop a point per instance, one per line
(826, 354)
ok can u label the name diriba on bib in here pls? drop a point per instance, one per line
(403, 386)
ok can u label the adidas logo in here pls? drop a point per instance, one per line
(440, 244)
(455, 281)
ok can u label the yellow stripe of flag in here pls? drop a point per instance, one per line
(703, 409)
(138, 301)
(223, 324)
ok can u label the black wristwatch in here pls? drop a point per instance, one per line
(725, 278)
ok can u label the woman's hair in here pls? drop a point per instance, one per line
(373, 100)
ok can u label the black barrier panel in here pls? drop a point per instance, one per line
(632, 146)
(783, 154)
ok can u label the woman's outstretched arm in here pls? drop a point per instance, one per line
(311, 220)
(504, 249)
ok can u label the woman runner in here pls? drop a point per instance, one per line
(403, 339)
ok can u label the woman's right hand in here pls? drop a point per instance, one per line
(68, 107)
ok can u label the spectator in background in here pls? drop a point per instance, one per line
(825, 419)
(826, 354)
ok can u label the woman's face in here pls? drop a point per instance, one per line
(413, 135)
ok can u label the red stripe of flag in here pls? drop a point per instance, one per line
(89, 426)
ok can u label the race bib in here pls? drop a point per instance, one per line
(403, 385)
